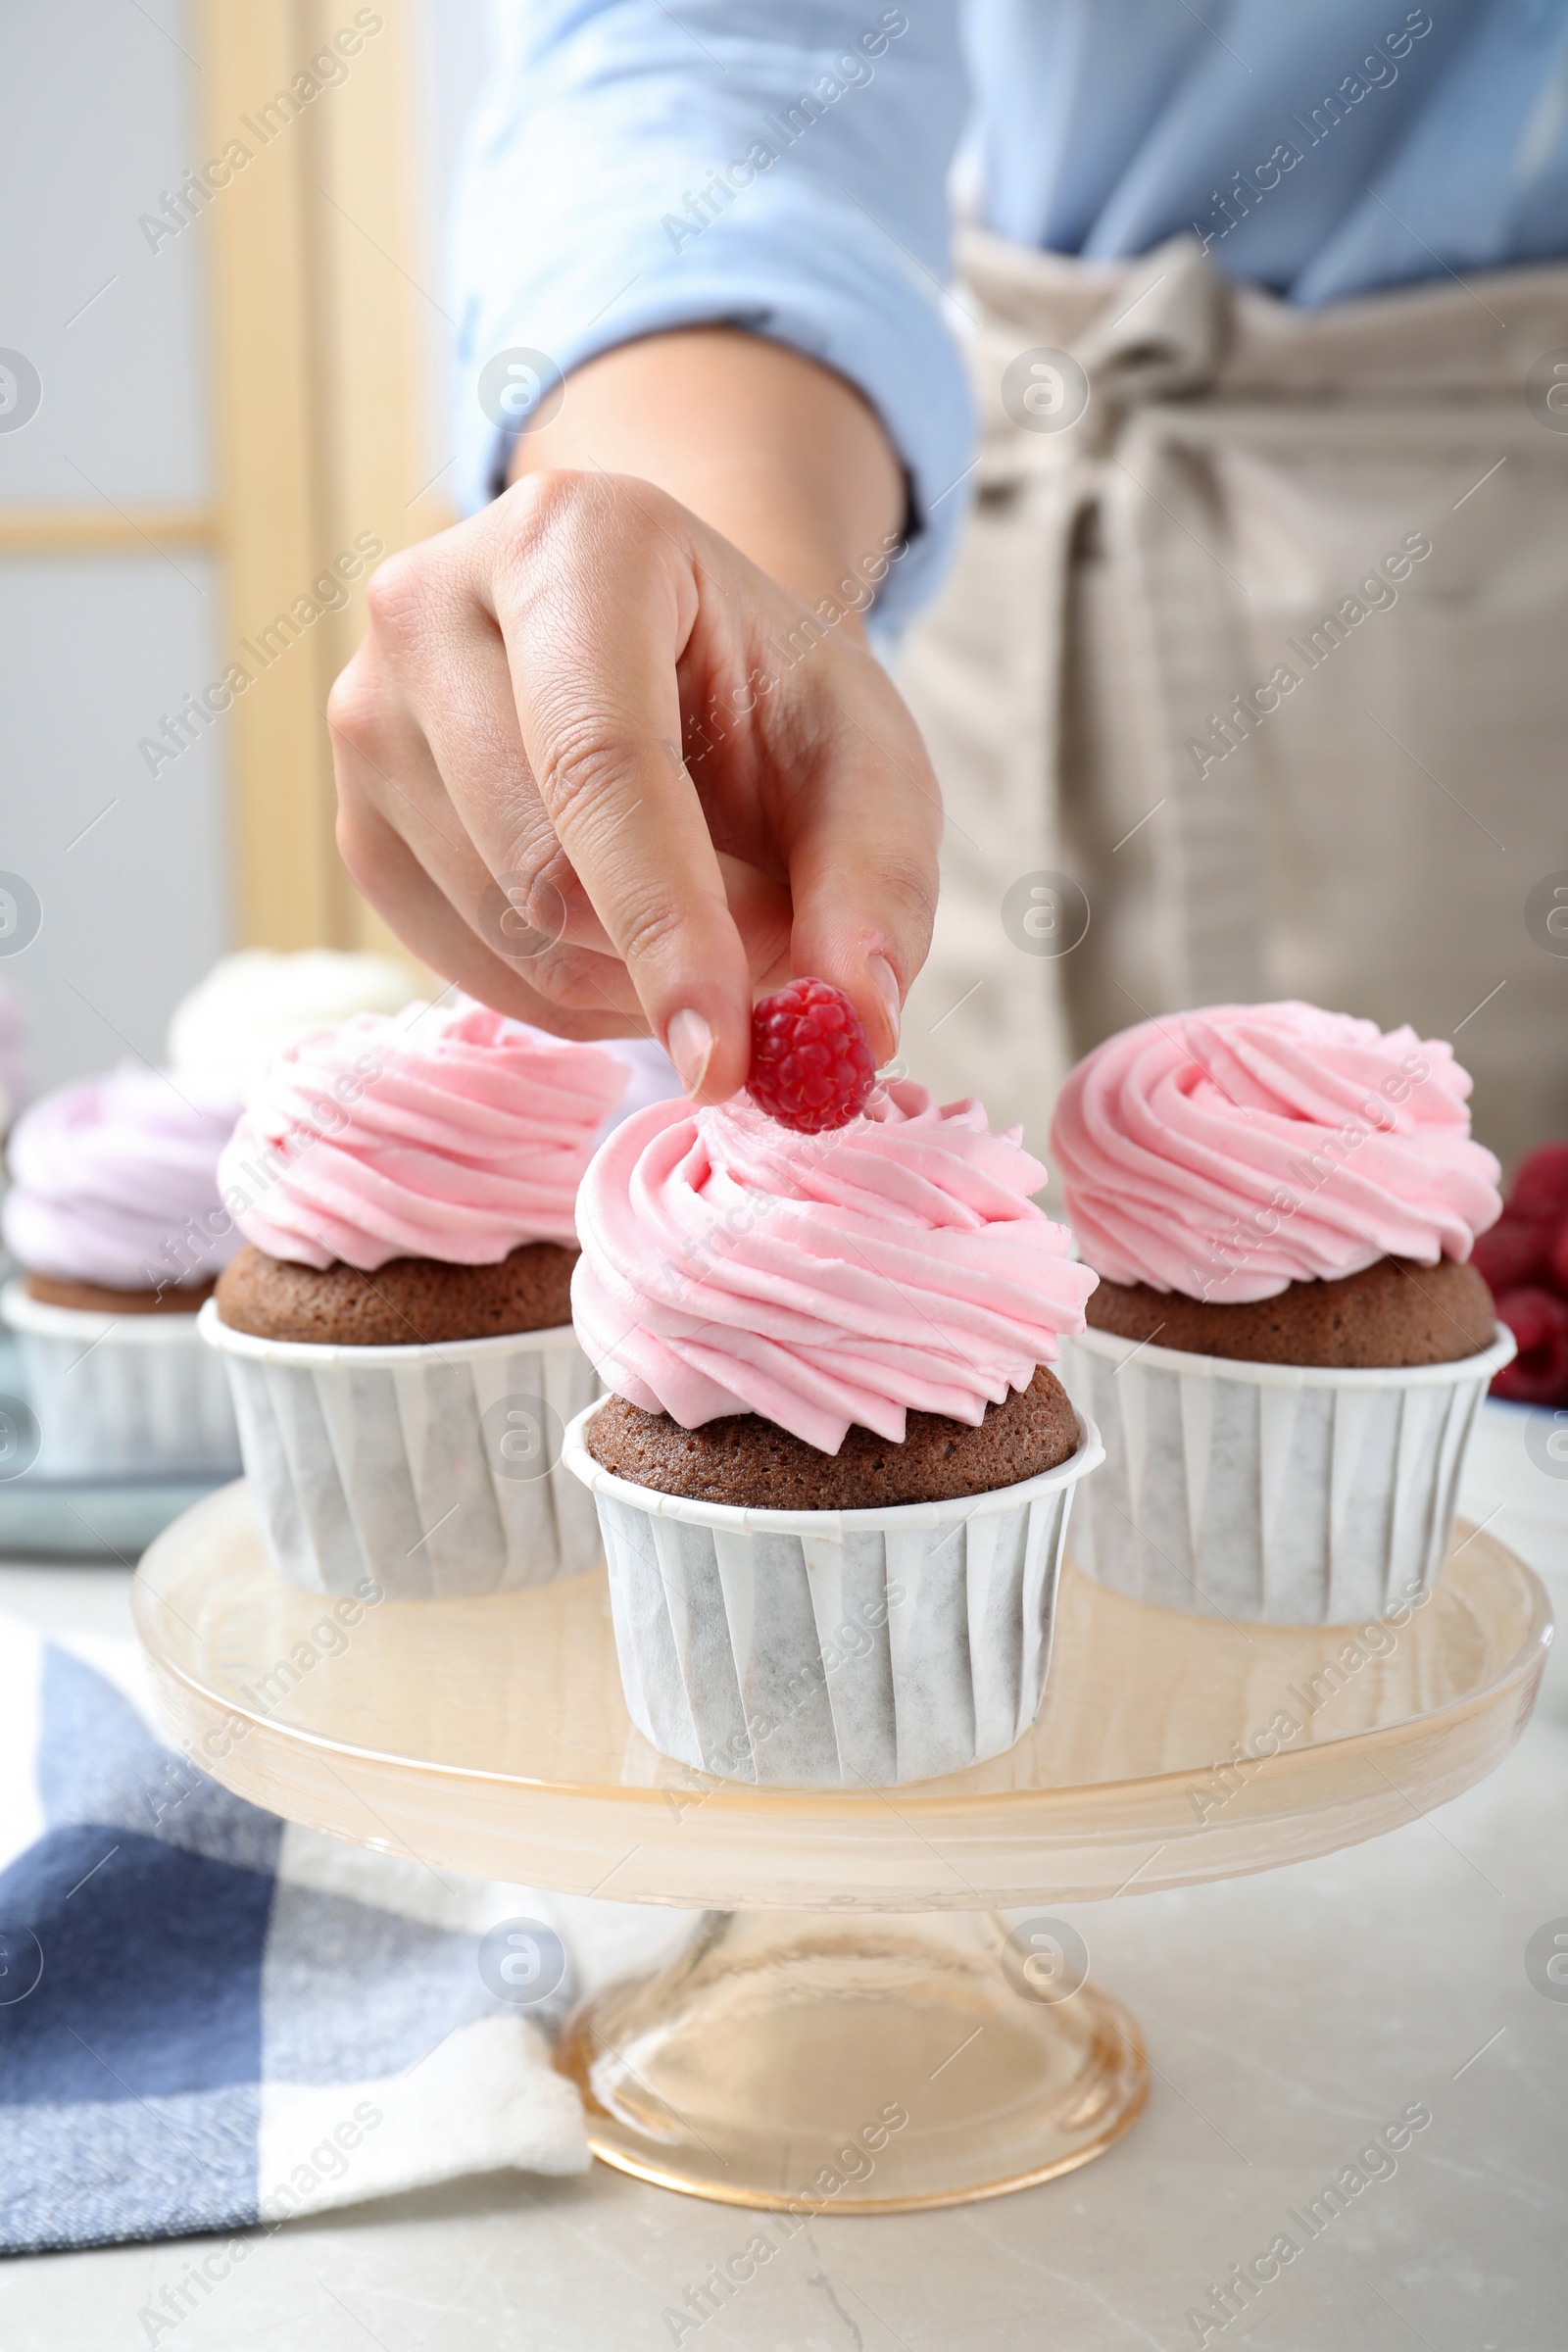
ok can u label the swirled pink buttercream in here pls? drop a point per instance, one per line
(1227, 1153)
(444, 1131)
(115, 1181)
(731, 1265)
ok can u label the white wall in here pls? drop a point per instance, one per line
(136, 910)
(96, 118)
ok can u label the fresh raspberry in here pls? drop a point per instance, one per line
(1540, 1184)
(1539, 1373)
(811, 1067)
(1513, 1252)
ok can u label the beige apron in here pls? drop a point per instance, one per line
(1193, 679)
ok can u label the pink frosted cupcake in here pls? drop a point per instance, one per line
(1288, 1344)
(398, 1328)
(834, 1474)
(113, 1213)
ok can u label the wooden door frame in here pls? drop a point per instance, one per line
(318, 332)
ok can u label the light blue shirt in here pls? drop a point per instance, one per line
(783, 164)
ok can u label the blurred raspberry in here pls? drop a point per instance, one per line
(1558, 1257)
(812, 1066)
(1514, 1251)
(1539, 1373)
(1541, 1185)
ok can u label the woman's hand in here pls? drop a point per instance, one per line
(598, 767)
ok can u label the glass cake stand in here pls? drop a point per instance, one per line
(851, 2027)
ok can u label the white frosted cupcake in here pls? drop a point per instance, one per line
(1288, 1346)
(398, 1328)
(834, 1474)
(252, 1005)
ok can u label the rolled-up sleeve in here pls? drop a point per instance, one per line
(776, 164)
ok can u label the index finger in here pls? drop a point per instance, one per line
(595, 602)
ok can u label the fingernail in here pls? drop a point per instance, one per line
(689, 1043)
(885, 980)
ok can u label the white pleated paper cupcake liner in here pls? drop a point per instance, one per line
(1283, 1493)
(434, 1469)
(126, 1393)
(833, 1648)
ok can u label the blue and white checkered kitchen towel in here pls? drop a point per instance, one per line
(210, 2018)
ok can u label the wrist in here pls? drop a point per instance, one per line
(777, 453)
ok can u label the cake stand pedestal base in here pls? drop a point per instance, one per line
(854, 2062)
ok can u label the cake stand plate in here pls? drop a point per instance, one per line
(852, 2030)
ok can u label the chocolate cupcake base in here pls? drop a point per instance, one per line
(433, 1469)
(1392, 1312)
(752, 1464)
(121, 1391)
(1286, 1493)
(841, 1648)
(410, 1301)
(98, 1299)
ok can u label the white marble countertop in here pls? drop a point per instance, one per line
(1289, 2016)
